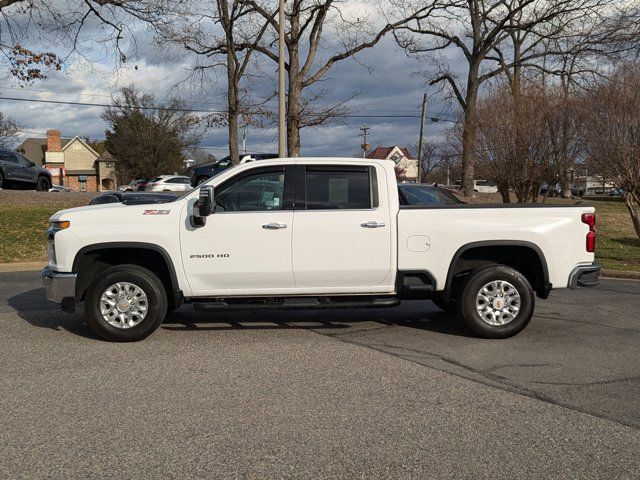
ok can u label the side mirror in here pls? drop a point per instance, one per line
(203, 207)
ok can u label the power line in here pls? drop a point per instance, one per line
(434, 118)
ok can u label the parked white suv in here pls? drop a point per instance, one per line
(169, 183)
(314, 233)
(482, 186)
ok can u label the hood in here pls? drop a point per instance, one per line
(93, 209)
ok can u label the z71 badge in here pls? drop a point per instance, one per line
(156, 212)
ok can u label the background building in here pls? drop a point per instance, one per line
(406, 165)
(72, 162)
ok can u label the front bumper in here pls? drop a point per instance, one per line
(60, 286)
(585, 276)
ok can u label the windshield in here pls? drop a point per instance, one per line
(425, 195)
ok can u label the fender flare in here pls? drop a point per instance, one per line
(176, 293)
(543, 292)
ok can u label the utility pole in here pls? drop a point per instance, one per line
(365, 136)
(420, 140)
(282, 138)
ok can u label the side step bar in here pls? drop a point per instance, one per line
(293, 303)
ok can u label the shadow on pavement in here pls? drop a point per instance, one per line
(33, 307)
(410, 314)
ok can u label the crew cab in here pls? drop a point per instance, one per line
(313, 233)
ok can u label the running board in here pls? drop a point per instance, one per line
(292, 303)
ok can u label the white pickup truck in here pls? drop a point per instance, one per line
(313, 233)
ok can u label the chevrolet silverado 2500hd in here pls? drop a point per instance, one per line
(313, 233)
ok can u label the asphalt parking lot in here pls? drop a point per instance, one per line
(394, 393)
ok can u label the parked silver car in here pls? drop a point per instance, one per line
(169, 183)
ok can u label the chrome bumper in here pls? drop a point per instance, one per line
(585, 276)
(59, 285)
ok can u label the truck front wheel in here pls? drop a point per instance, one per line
(497, 302)
(125, 304)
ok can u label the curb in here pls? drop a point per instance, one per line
(22, 266)
(620, 274)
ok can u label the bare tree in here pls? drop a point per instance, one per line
(433, 157)
(212, 32)
(61, 24)
(476, 29)
(307, 22)
(612, 134)
(9, 131)
(515, 162)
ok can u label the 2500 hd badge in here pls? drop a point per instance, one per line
(209, 255)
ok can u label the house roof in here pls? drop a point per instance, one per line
(86, 145)
(382, 153)
(34, 148)
(106, 157)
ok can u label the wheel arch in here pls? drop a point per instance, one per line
(526, 257)
(91, 260)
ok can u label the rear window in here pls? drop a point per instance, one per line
(339, 188)
(425, 195)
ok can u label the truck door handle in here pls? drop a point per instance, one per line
(372, 224)
(274, 226)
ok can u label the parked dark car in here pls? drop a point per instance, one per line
(616, 192)
(554, 191)
(132, 198)
(203, 172)
(417, 194)
(18, 169)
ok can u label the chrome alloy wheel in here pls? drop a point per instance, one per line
(498, 303)
(123, 305)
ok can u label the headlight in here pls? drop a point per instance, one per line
(54, 227)
(61, 225)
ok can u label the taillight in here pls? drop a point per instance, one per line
(590, 219)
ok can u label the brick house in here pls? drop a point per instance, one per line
(72, 162)
(403, 159)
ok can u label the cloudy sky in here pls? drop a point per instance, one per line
(393, 87)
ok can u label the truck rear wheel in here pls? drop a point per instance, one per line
(125, 304)
(497, 302)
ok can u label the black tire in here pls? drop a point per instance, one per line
(449, 306)
(482, 277)
(201, 180)
(148, 282)
(42, 185)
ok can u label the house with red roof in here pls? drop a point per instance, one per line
(406, 164)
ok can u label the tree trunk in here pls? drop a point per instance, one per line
(504, 192)
(295, 96)
(632, 206)
(233, 104)
(469, 134)
(293, 118)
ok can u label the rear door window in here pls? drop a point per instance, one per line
(339, 188)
